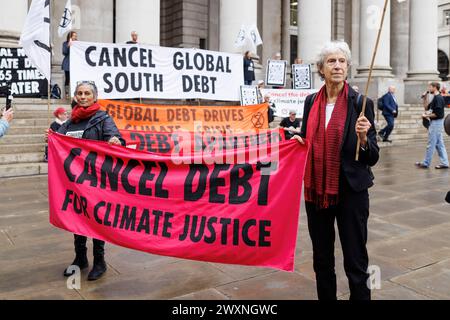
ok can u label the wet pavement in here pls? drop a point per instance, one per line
(409, 241)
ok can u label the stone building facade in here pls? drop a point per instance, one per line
(414, 47)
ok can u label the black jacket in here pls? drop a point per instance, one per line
(100, 127)
(249, 70)
(438, 107)
(358, 173)
(55, 126)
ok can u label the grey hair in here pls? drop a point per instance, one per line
(90, 84)
(333, 47)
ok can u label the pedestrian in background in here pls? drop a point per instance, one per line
(71, 37)
(258, 91)
(390, 112)
(249, 69)
(435, 112)
(277, 56)
(291, 125)
(60, 115)
(298, 60)
(134, 38)
(271, 110)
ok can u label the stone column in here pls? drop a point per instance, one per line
(213, 24)
(314, 30)
(371, 12)
(142, 16)
(423, 34)
(423, 37)
(286, 35)
(400, 38)
(311, 35)
(355, 29)
(271, 21)
(12, 20)
(234, 14)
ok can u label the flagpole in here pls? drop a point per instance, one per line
(363, 111)
(51, 52)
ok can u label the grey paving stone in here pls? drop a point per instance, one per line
(242, 272)
(279, 285)
(160, 283)
(209, 294)
(393, 291)
(418, 219)
(433, 280)
(409, 240)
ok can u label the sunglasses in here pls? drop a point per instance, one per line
(85, 82)
(88, 82)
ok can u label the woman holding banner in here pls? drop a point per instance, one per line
(336, 185)
(87, 121)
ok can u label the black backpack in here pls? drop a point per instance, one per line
(56, 92)
(380, 105)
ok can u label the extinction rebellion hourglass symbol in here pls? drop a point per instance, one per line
(258, 120)
(66, 18)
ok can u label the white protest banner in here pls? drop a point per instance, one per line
(286, 99)
(255, 36)
(301, 76)
(241, 37)
(249, 95)
(123, 71)
(276, 73)
(35, 37)
(66, 19)
(248, 38)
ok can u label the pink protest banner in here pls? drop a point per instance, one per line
(237, 213)
(179, 141)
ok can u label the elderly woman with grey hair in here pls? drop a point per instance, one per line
(87, 121)
(336, 185)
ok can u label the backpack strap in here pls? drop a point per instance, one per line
(359, 101)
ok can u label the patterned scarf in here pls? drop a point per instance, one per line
(80, 113)
(324, 160)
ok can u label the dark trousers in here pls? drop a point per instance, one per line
(386, 131)
(351, 215)
(248, 82)
(67, 82)
(80, 245)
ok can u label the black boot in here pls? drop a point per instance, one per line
(99, 267)
(81, 259)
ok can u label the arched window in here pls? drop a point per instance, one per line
(443, 65)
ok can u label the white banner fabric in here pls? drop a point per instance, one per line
(124, 71)
(286, 100)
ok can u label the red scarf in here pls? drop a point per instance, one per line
(324, 160)
(80, 113)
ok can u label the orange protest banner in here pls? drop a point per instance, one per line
(158, 118)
